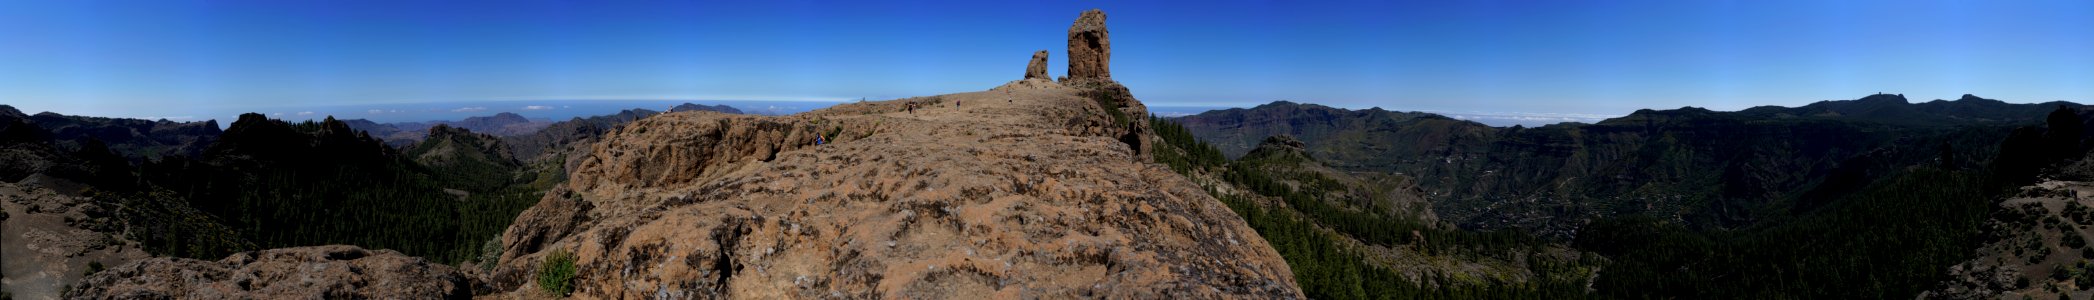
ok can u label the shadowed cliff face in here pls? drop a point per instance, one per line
(1009, 193)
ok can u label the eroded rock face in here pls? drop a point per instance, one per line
(1037, 69)
(969, 196)
(1090, 48)
(318, 272)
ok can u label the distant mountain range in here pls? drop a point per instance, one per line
(1709, 168)
(503, 124)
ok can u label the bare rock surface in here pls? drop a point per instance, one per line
(48, 239)
(1090, 48)
(970, 195)
(318, 272)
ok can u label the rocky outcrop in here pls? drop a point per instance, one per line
(1090, 48)
(1281, 146)
(968, 196)
(319, 272)
(1130, 117)
(1037, 69)
(49, 239)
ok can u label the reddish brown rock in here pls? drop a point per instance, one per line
(318, 272)
(1038, 67)
(1036, 198)
(1090, 48)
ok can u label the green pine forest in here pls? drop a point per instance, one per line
(271, 184)
(1889, 237)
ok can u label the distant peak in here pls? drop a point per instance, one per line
(1969, 97)
(1883, 97)
(1278, 146)
(251, 117)
(701, 107)
(1282, 103)
(501, 118)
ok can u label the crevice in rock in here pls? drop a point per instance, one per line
(728, 237)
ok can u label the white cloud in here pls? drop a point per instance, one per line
(537, 107)
(171, 118)
(470, 109)
(376, 111)
(308, 113)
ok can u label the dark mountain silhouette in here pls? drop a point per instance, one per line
(1367, 234)
(134, 139)
(1708, 168)
(1838, 199)
(700, 107)
(1896, 110)
(497, 124)
(283, 184)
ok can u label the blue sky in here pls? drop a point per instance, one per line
(149, 58)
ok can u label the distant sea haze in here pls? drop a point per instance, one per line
(553, 110)
(1528, 119)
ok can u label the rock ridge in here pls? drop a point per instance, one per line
(1032, 192)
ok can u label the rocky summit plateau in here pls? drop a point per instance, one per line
(968, 196)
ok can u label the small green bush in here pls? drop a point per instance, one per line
(490, 254)
(93, 267)
(556, 273)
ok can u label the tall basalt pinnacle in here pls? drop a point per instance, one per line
(1090, 48)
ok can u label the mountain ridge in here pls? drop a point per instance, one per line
(1768, 153)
